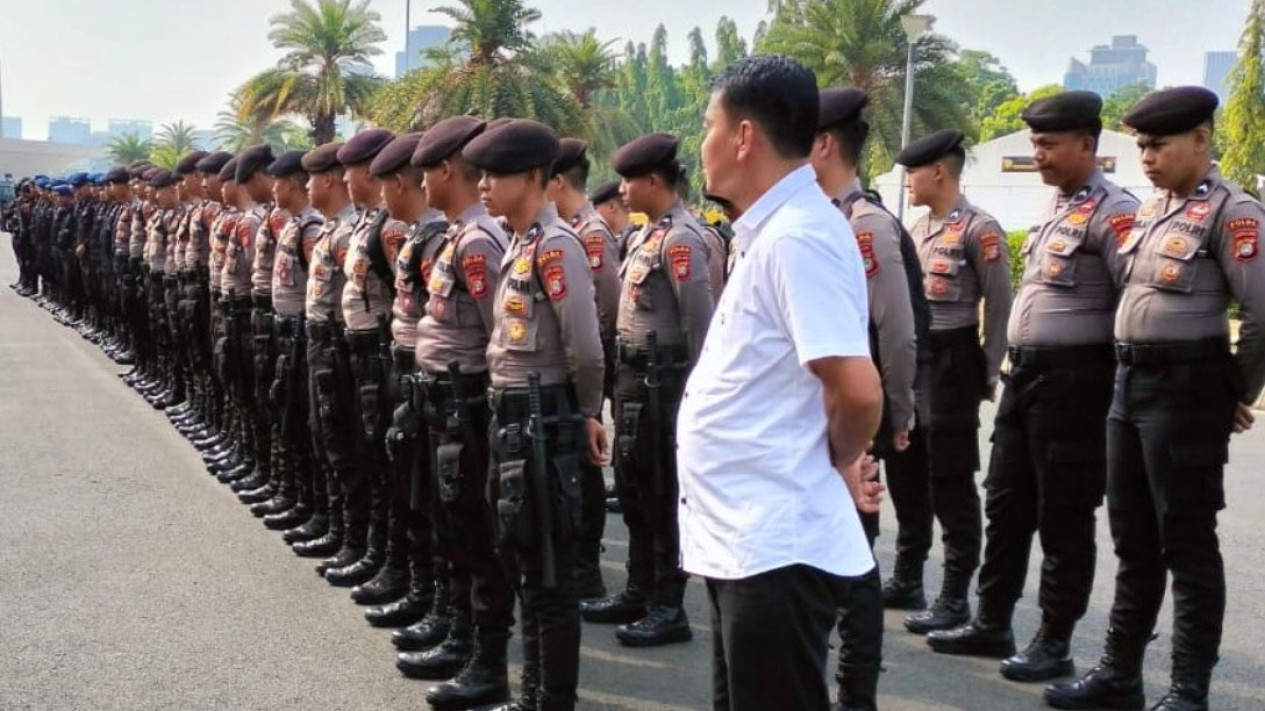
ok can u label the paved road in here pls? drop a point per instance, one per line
(131, 580)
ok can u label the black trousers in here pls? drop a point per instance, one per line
(335, 428)
(650, 506)
(373, 407)
(1047, 476)
(1167, 444)
(770, 638)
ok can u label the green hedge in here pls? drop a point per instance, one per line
(1014, 243)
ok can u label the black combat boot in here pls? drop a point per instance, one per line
(988, 635)
(317, 525)
(483, 681)
(1048, 656)
(903, 591)
(624, 607)
(413, 606)
(530, 698)
(431, 630)
(1189, 690)
(352, 550)
(444, 660)
(1116, 683)
(362, 569)
(948, 611)
(326, 544)
(662, 625)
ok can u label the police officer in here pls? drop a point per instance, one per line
(160, 231)
(610, 206)
(665, 306)
(566, 191)
(899, 320)
(545, 365)
(963, 254)
(1179, 393)
(195, 299)
(1048, 466)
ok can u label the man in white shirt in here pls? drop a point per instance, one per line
(780, 407)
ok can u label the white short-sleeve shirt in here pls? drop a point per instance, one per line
(758, 491)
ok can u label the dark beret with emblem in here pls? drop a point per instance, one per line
(229, 171)
(77, 180)
(605, 192)
(362, 147)
(931, 148)
(255, 159)
(137, 171)
(838, 106)
(395, 156)
(446, 138)
(163, 179)
(118, 174)
(287, 163)
(214, 163)
(322, 159)
(189, 163)
(149, 173)
(1068, 111)
(645, 155)
(497, 123)
(1171, 111)
(571, 152)
(517, 146)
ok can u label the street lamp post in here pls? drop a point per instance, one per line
(915, 26)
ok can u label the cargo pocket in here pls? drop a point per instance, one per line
(569, 509)
(1196, 484)
(1076, 474)
(448, 471)
(510, 505)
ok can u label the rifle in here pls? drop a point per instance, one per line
(654, 382)
(541, 492)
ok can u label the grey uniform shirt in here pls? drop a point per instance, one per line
(270, 228)
(891, 313)
(1073, 268)
(964, 259)
(412, 269)
(460, 311)
(221, 231)
(666, 284)
(1187, 258)
(546, 318)
(123, 229)
(179, 244)
(290, 267)
(603, 252)
(198, 247)
(157, 232)
(239, 258)
(325, 278)
(368, 292)
(140, 224)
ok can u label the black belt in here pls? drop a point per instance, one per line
(1172, 353)
(262, 301)
(513, 403)
(288, 326)
(322, 331)
(669, 357)
(954, 336)
(1060, 356)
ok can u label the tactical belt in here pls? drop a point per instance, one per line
(511, 404)
(953, 336)
(288, 326)
(322, 331)
(1217, 348)
(1060, 356)
(670, 357)
(261, 301)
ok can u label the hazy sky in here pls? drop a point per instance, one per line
(164, 60)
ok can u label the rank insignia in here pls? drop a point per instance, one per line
(1198, 210)
(517, 331)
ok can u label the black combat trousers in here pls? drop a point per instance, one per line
(458, 454)
(287, 399)
(1047, 476)
(528, 527)
(412, 493)
(1167, 444)
(373, 408)
(646, 479)
(262, 362)
(334, 426)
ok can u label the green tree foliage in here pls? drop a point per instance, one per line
(1120, 101)
(992, 84)
(236, 134)
(1005, 120)
(1243, 119)
(325, 72)
(178, 136)
(128, 148)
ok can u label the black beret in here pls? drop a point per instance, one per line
(229, 171)
(1171, 111)
(644, 155)
(515, 147)
(571, 152)
(137, 170)
(605, 192)
(149, 173)
(189, 163)
(118, 174)
(255, 159)
(1068, 111)
(363, 146)
(322, 159)
(497, 123)
(287, 163)
(395, 156)
(931, 148)
(840, 106)
(214, 163)
(446, 138)
(163, 178)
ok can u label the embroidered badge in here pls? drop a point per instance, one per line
(680, 256)
(1198, 210)
(1246, 244)
(991, 244)
(477, 282)
(1122, 225)
(555, 278)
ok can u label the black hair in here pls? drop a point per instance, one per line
(777, 93)
(851, 137)
(955, 161)
(577, 176)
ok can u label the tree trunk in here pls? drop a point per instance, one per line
(322, 129)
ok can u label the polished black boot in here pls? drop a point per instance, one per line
(242, 471)
(948, 611)
(662, 625)
(984, 636)
(1189, 690)
(1116, 683)
(444, 660)
(316, 526)
(483, 681)
(254, 483)
(1048, 656)
(624, 607)
(412, 607)
(289, 519)
(257, 495)
(903, 591)
(390, 583)
(352, 550)
(362, 569)
(326, 544)
(431, 630)
(278, 504)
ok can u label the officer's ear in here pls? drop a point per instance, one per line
(1202, 136)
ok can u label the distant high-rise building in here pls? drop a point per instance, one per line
(419, 38)
(117, 128)
(1111, 67)
(76, 131)
(1217, 68)
(11, 127)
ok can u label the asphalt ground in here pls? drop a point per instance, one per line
(130, 579)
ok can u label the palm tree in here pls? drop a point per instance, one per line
(179, 136)
(128, 148)
(487, 68)
(165, 155)
(325, 71)
(236, 135)
(581, 62)
(860, 43)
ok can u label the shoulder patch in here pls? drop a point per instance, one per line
(865, 240)
(245, 233)
(990, 246)
(555, 278)
(595, 249)
(680, 255)
(548, 256)
(1246, 233)
(1122, 225)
